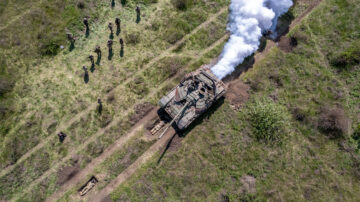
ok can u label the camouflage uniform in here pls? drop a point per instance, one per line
(70, 37)
(110, 26)
(61, 136)
(86, 23)
(109, 44)
(137, 10)
(117, 22)
(97, 51)
(91, 57)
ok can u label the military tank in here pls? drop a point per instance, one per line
(192, 97)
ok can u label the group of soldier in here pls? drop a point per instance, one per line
(97, 50)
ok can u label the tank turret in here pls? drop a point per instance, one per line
(192, 97)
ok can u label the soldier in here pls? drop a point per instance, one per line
(109, 44)
(137, 10)
(71, 38)
(61, 136)
(86, 23)
(100, 106)
(91, 60)
(110, 26)
(85, 69)
(121, 42)
(117, 23)
(98, 51)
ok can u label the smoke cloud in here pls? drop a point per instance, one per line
(248, 19)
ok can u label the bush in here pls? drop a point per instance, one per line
(333, 122)
(133, 38)
(356, 136)
(50, 48)
(181, 4)
(268, 120)
(346, 59)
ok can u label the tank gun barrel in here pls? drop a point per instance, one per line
(174, 119)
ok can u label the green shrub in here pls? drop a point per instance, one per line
(346, 59)
(356, 136)
(333, 122)
(133, 38)
(182, 4)
(50, 48)
(268, 120)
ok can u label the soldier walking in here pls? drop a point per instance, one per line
(110, 26)
(117, 23)
(91, 57)
(138, 18)
(85, 69)
(61, 136)
(70, 37)
(109, 45)
(98, 51)
(137, 10)
(86, 23)
(121, 42)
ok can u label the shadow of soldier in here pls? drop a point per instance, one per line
(122, 51)
(98, 59)
(86, 77)
(87, 33)
(138, 18)
(72, 46)
(112, 3)
(92, 68)
(111, 36)
(118, 30)
(110, 54)
(100, 108)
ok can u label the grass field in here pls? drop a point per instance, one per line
(309, 164)
(43, 92)
(62, 102)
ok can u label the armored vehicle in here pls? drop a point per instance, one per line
(192, 97)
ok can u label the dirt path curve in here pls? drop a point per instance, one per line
(127, 81)
(128, 172)
(122, 140)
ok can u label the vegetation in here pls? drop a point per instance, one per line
(222, 147)
(268, 120)
(42, 92)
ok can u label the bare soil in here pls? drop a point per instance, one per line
(285, 44)
(140, 111)
(237, 93)
(175, 143)
(66, 173)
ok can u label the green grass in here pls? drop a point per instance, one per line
(222, 147)
(61, 93)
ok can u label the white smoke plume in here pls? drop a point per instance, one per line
(248, 19)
